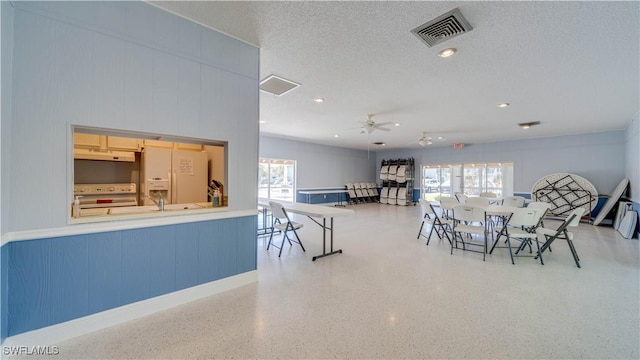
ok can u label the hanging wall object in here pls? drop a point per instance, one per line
(565, 192)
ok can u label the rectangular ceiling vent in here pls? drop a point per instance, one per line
(442, 28)
(277, 86)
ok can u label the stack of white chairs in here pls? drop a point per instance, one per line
(401, 174)
(402, 197)
(393, 170)
(384, 195)
(393, 196)
(384, 173)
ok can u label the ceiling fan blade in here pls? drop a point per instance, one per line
(381, 128)
(385, 123)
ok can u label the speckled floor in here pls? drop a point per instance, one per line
(390, 296)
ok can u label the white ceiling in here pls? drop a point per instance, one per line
(573, 66)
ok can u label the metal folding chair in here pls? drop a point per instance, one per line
(470, 220)
(521, 227)
(430, 217)
(351, 191)
(548, 236)
(283, 223)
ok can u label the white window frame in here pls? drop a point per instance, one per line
(454, 182)
(276, 191)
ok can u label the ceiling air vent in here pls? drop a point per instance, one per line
(442, 28)
(276, 85)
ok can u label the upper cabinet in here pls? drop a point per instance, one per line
(123, 143)
(158, 143)
(104, 142)
(185, 146)
(88, 140)
(172, 145)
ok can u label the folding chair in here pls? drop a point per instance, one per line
(283, 223)
(401, 174)
(477, 201)
(393, 169)
(549, 235)
(430, 217)
(542, 206)
(462, 198)
(361, 196)
(520, 226)
(446, 204)
(401, 197)
(351, 191)
(515, 201)
(393, 196)
(384, 172)
(470, 220)
(365, 191)
(384, 195)
(373, 192)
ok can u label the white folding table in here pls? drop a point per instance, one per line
(315, 212)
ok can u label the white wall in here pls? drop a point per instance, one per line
(320, 166)
(632, 157)
(597, 157)
(127, 66)
(6, 32)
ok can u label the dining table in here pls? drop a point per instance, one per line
(492, 211)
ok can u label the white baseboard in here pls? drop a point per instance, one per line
(54, 334)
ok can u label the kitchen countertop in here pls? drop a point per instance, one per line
(140, 212)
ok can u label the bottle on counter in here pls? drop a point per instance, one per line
(75, 208)
(216, 198)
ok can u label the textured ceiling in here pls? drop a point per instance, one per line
(573, 66)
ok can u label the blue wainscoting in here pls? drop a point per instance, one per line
(49, 281)
(4, 293)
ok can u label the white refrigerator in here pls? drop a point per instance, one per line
(178, 176)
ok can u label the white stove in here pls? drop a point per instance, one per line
(106, 195)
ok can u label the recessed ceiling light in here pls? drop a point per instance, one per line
(336, 136)
(447, 52)
(397, 124)
(318, 99)
(440, 137)
(262, 121)
(503, 105)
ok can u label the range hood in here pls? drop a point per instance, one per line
(86, 154)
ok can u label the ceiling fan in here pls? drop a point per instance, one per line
(369, 126)
(425, 140)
